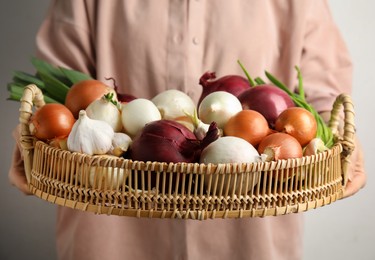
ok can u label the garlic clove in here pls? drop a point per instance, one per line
(120, 144)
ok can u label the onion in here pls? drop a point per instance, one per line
(218, 107)
(268, 100)
(174, 104)
(165, 141)
(121, 97)
(137, 113)
(59, 142)
(249, 125)
(315, 146)
(120, 144)
(278, 146)
(106, 109)
(102, 177)
(299, 123)
(230, 149)
(233, 84)
(51, 121)
(83, 93)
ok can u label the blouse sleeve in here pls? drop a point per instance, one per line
(325, 62)
(65, 37)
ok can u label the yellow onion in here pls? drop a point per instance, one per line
(278, 146)
(51, 121)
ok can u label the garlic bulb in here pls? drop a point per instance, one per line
(90, 136)
(120, 144)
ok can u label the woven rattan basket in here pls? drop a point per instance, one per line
(117, 186)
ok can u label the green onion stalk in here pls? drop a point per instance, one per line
(323, 131)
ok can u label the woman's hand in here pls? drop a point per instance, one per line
(356, 176)
(16, 174)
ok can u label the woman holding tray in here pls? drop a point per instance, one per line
(151, 46)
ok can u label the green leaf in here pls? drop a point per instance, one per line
(26, 78)
(48, 99)
(74, 76)
(301, 90)
(249, 78)
(55, 88)
(16, 93)
(46, 68)
(259, 81)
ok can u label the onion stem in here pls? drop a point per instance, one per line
(251, 81)
(323, 131)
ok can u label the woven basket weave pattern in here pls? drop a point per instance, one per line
(117, 186)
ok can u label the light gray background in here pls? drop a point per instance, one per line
(343, 230)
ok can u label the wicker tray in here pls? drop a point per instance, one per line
(117, 186)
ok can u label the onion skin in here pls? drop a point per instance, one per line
(136, 114)
(83, 93)
(268, 100)
(233, 84)
(299, 123)
(315, 146)
(51, 121)
(279, 146)
(165, 141)
(249, 125)
(218, 107)
(230, 149)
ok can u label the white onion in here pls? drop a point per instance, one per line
(137, 113)
(106, 177)
(230, 149)
(104, 110)
(173, 104)
(218, 107)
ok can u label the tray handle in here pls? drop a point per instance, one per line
(32, 96)
(347, 137)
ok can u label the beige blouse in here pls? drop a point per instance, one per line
(150, 46)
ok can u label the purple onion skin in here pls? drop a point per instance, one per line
(165, 141)
(268, 100)
(125, 98)
(233, 84)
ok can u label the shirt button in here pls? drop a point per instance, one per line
(195, 40)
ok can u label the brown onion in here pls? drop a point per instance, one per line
(299, 123)
(83, 93)
(249, 125)
(278, 146)
(51, 121)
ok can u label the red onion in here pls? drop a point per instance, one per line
(268, 100)
(169, 141)
(233, 84)
(125, 98)
(121, 97)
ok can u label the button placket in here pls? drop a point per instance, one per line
(176, 49)
(195, 42)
